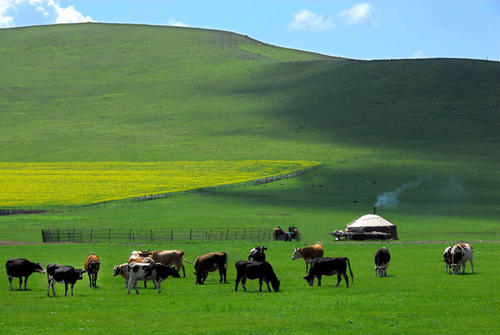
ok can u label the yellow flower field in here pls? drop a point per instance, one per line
(78, 183)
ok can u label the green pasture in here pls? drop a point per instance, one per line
(133, 93)
(417, 296)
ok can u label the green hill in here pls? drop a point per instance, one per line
(106, 92)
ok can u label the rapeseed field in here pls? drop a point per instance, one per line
(78, 183)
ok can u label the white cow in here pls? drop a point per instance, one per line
(460, 254)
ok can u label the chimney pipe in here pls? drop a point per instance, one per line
(374, 210)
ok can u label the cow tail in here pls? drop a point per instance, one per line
(185, 260)
(349, 264)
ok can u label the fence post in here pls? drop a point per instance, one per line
(91, 232)
(151, 234)
(58, 236)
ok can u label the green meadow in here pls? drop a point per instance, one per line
(132, 93)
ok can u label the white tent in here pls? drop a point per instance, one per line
(372, 223)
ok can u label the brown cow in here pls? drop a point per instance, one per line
(309, 253)
(208, 263)
(92, 265)
(169, 257)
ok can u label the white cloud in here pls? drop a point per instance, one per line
(47, 8)
(357, 14)
(68, 14)
(173, 22)
(309, 21)
(418, 54)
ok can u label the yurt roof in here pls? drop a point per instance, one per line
(370, 220)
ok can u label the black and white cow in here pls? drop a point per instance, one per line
(447, 259)
(460, 254)
(257, 254)
(21, 267)
(326, 266)
(256, 270)
(382, 259)
(145, 271)
(62, 274)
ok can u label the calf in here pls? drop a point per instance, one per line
(382, 259)
(92, 265)
(208, 263)
(460, 254)
(253, 270)
(447, 259)
(66, 274)
(21, 267)
(122, 270)
(257, 254)
(329, 267)
(142, 271)
(308, 253)
(169, 257)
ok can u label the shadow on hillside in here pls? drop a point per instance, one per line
(439, 106)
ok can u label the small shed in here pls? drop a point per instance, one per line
(370, 224)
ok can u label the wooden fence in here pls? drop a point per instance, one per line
(152, 235)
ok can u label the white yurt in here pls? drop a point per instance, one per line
(372, 223)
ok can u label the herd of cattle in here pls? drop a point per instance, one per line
(157, 266)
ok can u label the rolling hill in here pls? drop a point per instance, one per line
(107, 92)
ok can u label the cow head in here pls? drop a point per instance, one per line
(276, 285)
(79, 273)
(39, 268)
(93, 265)
(117, 270)
(379, 269)
(296, 253)
(455, 267)
(309, 279)
(199, 277)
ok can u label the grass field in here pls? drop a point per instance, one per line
(128, 93)
(417, 296)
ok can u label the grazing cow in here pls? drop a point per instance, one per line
(92, 265)
(447, 259)
(328, 267)
(66, 274)
(21, 267)
(460, 254)
(308, 253)
(382, 258)
(253, 270)
(169, 257)
(257, 254)
(143, 271)
(208, 263)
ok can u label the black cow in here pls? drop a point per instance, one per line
(382, 258)
(21, 267)
(257, 254)
(253, 270)
(326, 266)
(62, 274)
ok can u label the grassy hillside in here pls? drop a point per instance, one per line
(101, 92)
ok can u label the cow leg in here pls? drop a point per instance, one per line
(204, 277)
(65, 288)
(48, 288)
(20, 283)
(10, 282)
(319, 279)
(53, 288)
(268, 288)
(346, 279)
(339, 279)
(183, 270)
(260, 284)
(463, 268)
(25, 282)
(158, 284)
(129, 284)
(72, 285)
(307, 264)
(95, 279)
(145, 286)
(238, 278)
(243, 283)
(471, 265)
(90, 279)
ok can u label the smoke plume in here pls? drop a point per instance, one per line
(391, 199)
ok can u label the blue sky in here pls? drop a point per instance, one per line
(378, 29)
